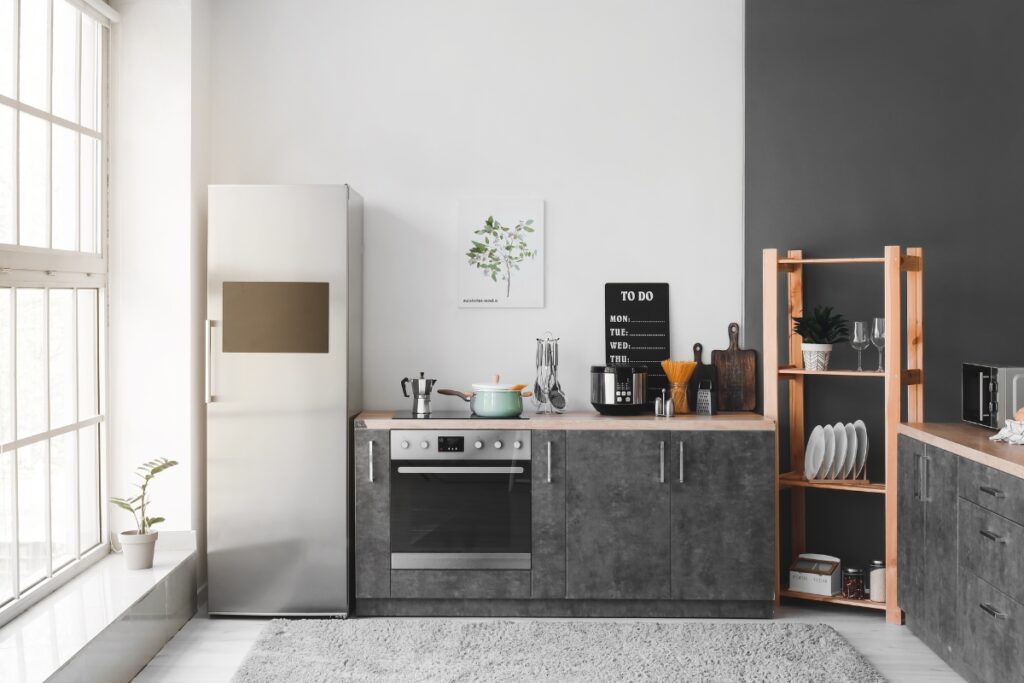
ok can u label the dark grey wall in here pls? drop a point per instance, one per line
(874, 122)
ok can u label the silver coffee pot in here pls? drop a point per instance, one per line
(421, 388)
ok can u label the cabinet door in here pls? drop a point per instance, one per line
(723, 531)
(940, 548)
(910, 530)
(547, 573)
(617, 515)
(372, 548)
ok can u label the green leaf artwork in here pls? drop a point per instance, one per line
(137, 505)
(500, 249)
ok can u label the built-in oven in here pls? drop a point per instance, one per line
(460, 499)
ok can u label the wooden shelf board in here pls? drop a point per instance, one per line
(858, 485)
(828, 261)
(834, 599)
(790, 370)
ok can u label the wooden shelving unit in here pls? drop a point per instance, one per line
(896, 380)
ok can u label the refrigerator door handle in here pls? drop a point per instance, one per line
(209, 361)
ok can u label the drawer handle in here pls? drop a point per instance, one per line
(549, 462)
(995, 493)
(661, 477)
(991, 611)
(682, 464)
(370, 459)
(993, 536)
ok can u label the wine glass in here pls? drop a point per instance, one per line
(860, 341)
(878, 339)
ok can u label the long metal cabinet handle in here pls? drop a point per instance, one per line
(992, 536)
(461, 470)
(549, 462)
(991, 611)
(661, 477)
(209, 361)
(981, 396)
(682, 453)
(994, 492)
(371, 461)
(925, 483)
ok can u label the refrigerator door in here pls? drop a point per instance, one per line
(277, 405)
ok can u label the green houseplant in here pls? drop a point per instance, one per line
(139, 543)
(501, 250)
(820, 330)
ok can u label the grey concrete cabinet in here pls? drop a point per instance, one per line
(722, 518)
(617, 515)
(548, 504)
(910, 527)
(372, 547)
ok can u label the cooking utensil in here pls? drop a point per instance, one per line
(548, 396)
(618, 390)
(678, 373)
(702, 373)
(492, 400)
(737, 368)
(705, 404)
(421, 387)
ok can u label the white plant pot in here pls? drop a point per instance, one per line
(816, 356)
(138, 549)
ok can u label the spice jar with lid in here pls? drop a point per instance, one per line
(853, 583)
(876, 581)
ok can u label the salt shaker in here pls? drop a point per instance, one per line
(659, 407)
(876, 579)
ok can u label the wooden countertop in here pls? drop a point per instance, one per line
(969, 442)
(380, 419)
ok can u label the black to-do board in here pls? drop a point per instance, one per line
(636, 329)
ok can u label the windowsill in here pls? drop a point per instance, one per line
(37, 643)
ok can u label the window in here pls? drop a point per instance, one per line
(52, 293)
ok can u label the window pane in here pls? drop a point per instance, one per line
(7, 25)
(6, 526)
(65, 60)
(33, 191)
(32, 514)
(65, 187)
(62, 358)
(88, 363)
(6, 380)
(90, 200)
(6, 174)
(31, 370)
(35, 53)
(90, 72)
(89, 487)
(63, 501)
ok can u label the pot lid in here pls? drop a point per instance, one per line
(496, 385)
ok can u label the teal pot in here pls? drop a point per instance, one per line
(491, 402)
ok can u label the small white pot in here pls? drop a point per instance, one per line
(138, 549)
(816, 356)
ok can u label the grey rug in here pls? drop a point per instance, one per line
(307, 651)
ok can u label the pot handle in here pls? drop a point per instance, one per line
(452, 392)
(405, 387)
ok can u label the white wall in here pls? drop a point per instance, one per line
(626, 117)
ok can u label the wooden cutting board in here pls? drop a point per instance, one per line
(737, 371)
(701, 373)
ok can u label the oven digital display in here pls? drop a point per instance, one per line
(451, 444)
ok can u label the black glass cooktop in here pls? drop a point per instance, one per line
(450, 415)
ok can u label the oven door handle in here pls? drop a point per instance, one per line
(460, 470)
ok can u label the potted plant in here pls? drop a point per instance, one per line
(139, 543)
(820, 330)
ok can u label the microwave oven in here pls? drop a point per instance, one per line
(991, 394)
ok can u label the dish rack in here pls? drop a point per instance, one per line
(895, 263)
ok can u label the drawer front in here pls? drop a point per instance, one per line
(992, 631)
(993, 548)
(992, 490)
(460, 583)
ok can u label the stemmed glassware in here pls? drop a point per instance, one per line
(860, 341)
(878, 339)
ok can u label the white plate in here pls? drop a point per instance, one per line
(830, 453)
(851, 451)
(839, 461)
(814, 453)
(862, 447)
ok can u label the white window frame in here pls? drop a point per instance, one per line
(46, 269)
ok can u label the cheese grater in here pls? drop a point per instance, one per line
(705, 404)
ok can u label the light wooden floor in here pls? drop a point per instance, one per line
(209, 650)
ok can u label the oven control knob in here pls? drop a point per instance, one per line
(478, 444)
(517, 444)
(497, 444)
(405, 444)
(424, 444)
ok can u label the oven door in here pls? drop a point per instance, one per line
(978, 384)
(460, 514)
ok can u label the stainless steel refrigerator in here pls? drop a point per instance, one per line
(283, 382)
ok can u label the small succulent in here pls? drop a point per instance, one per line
(821, 327)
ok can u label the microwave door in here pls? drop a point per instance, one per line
(977, 394)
